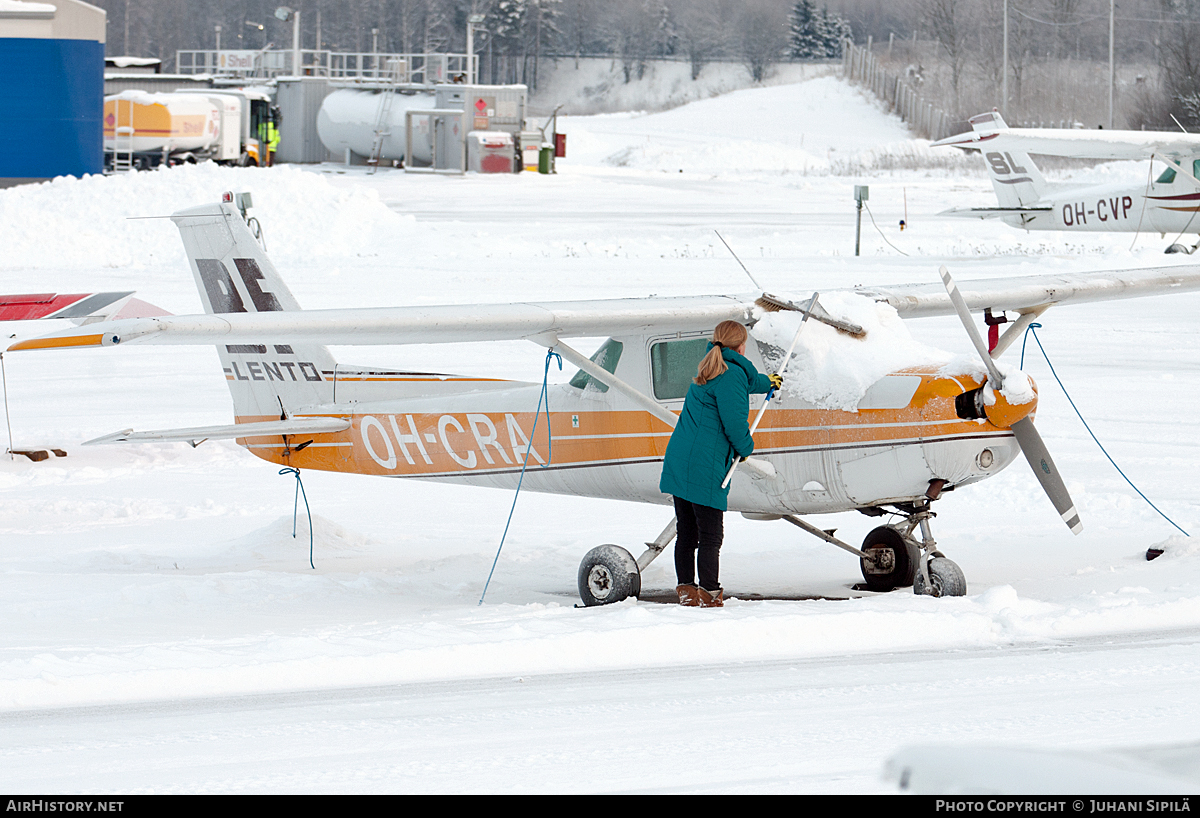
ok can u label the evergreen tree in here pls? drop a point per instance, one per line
(834, 31)
(665, 36)
(806, 40)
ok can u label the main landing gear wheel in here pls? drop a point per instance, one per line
(945, 577)
(895, 562)
(607, 574)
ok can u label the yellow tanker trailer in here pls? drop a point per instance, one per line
(143, 130)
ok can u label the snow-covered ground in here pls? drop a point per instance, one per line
(162, 630)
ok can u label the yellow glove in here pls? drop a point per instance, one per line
(776, 381)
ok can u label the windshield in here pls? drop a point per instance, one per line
(606, 357)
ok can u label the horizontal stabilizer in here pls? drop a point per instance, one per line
(295, 426)
(990, 212)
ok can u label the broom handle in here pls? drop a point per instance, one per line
(787, 357)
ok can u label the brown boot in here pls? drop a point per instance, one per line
(710, 599)
(688, 595)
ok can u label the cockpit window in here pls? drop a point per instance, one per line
(606, 357)
(673, 366)
(1168, 176)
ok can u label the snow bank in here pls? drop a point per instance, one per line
(118, 221)
(538, 638)
(782, 129)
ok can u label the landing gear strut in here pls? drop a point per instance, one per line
(935, 575)
(892, 558)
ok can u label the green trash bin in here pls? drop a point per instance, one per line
(545, 159)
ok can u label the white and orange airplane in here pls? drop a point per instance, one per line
(915, 433)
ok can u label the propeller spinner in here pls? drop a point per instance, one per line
(1023, 430)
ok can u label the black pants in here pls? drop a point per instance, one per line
(699, 532)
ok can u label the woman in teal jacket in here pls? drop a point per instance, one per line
(712, 430)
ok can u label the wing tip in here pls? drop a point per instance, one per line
(58, 342)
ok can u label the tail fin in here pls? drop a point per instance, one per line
(1017, 180)
(233, 274)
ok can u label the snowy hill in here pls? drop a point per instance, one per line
(597, 86)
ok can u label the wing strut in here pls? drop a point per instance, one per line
(1019, 326)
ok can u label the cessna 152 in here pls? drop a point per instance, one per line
(1168, 204)
(913, 434)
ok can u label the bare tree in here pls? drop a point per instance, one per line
(630, 28)
(946, 21)
(764, 37)
(1179, 59)
(580, 27)
(703, 33)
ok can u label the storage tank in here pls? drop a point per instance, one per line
(347, 121)
(176, 122)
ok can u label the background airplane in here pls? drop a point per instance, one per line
(1166, 204)
(80, 308)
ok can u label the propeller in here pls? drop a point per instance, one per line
(1023, 430)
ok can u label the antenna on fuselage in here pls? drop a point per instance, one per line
(757, 286)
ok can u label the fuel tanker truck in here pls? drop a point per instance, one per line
(143, 130)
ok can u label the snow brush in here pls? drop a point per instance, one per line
(787, 357)
(773, 303)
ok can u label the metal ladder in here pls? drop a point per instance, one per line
(123, 137)
(387, 97)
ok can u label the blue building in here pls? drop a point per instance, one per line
(52, 88)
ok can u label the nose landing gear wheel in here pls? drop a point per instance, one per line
(607, 574)
(895, 559)
(945, 579)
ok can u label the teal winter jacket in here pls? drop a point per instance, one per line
(712, 428)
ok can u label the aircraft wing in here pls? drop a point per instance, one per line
(292, 426)
(545, 321)
(1079, 142)
(413, 325)
(1027, 293)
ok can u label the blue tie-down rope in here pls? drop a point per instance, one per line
(543, 397)
(296, 508)
(1030, 331)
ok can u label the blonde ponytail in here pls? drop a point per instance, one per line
(728, 334)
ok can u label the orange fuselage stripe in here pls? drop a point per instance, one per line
(427, 444)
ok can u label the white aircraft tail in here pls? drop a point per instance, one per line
(1017, 180)
(234, 274)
